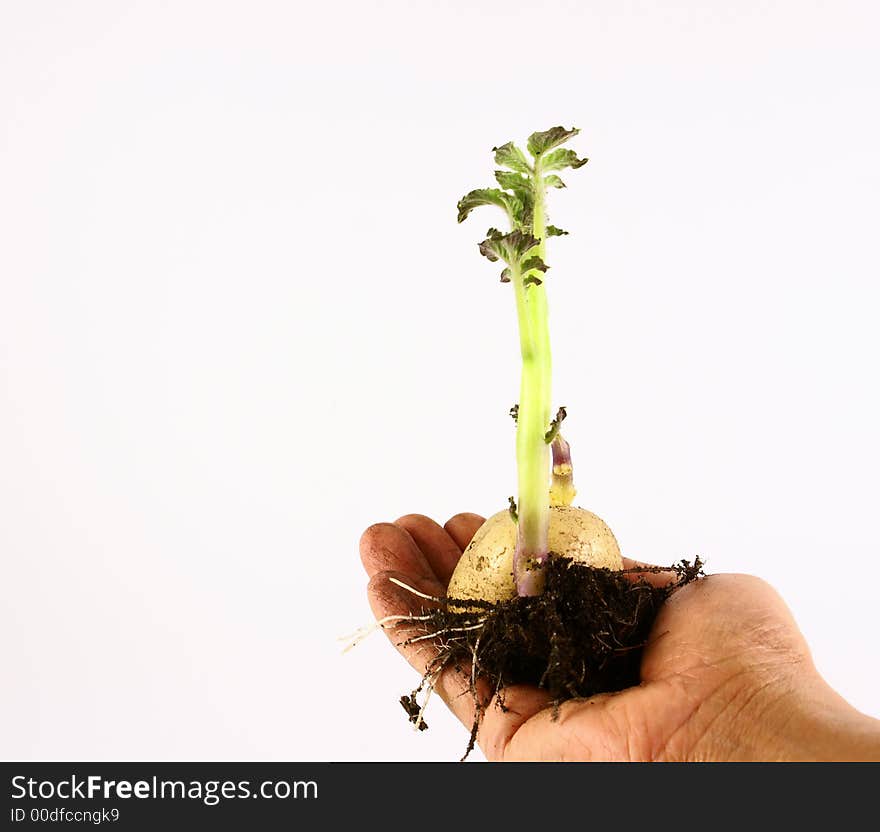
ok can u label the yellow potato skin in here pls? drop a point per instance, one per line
(485, 570)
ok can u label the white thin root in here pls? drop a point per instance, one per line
(474, 663)
(433, 681)
(443, 632)
(408, 588)
(362, 632)
(430, 683)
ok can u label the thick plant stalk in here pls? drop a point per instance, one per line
(532, 451)
(522, 198)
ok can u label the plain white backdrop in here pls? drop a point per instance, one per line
(239, 323)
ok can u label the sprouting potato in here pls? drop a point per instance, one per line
(485, 570)
(482, 621)
(523, 250)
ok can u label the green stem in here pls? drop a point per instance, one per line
(532, 451)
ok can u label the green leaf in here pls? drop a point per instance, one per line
(491, 247)
(534, 264)
(508, 247)
(540, 143)
(553, 181)
(527, 281)
(488, 196)
(562, 158)
(505, 275)
(519, 242)
(515, 182)
(553, 231)
(510, 156)
(523, 215)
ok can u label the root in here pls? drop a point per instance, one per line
(420, 723)
(408, 588)
(393, 620)
(583, 635)
(445, 631)
(479, 707)
(570, 650)
(447, 655)
(474, 664)
(414, 711)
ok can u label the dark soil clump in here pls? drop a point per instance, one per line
(582, 636)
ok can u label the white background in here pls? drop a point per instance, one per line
(239, 323)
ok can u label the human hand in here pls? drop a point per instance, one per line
(726, 674)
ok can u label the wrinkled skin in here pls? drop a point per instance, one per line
(726, 674)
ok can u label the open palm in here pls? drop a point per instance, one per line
(726, 674)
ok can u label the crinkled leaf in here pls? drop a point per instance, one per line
(505, 275)
(523, 215)
(553, 181)
(515, 182)
(540, 143)
(488, 196)
(522, 190)
(488, 249)
(491, 247)
(534, 264)
(562, 158)
(508, 247)
(553, 231)
(532, 279)
(510, 156)
(519, 242)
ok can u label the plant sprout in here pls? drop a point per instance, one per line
(540, 595)
(523, 249)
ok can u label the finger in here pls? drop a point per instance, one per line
(386, 598)
(453, 685)
(384, 547)
(439, 549)
(659, 579)
(462, 527)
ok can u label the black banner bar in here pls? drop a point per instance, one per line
(256, 796)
